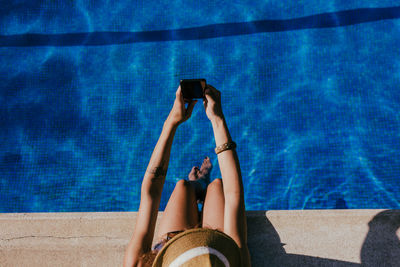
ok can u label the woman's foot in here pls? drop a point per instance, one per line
(201, 178)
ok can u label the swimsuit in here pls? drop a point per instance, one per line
(157, 247)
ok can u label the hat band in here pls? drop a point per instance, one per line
(198, 251)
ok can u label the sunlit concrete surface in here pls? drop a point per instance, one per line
(276, 238)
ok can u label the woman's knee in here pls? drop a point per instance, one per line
(215, 185)
(184, 185)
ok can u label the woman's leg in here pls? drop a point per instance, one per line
(213, 209)
(181, 210)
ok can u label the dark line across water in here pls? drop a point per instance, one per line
(323, 20)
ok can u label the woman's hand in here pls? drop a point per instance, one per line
(179, 113)
(212, 103)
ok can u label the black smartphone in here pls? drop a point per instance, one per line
(193, 88)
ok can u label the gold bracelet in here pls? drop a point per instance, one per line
(226, 146)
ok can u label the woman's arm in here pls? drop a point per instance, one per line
(153, 183)
(235, 224)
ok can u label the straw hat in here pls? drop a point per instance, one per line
(199, 247)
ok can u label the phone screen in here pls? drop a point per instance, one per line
(193, 88)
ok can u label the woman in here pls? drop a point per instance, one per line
(218, 236)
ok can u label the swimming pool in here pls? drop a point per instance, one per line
(310, 92)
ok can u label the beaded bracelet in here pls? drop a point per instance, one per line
(226, 146)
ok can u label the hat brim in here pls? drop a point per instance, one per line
(199, 245)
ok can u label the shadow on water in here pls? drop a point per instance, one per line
(380, 248)
(323, 20)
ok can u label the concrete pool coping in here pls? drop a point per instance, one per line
(276, 238)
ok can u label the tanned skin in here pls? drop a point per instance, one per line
(234, 219)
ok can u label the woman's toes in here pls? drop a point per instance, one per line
(194, 172)
(206, 166)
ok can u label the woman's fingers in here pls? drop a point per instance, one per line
(178, 91)
(179, 94)
(208, 93)
(211, 88)
(212, 95)
(190, 108)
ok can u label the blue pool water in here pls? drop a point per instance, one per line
(310, 91)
